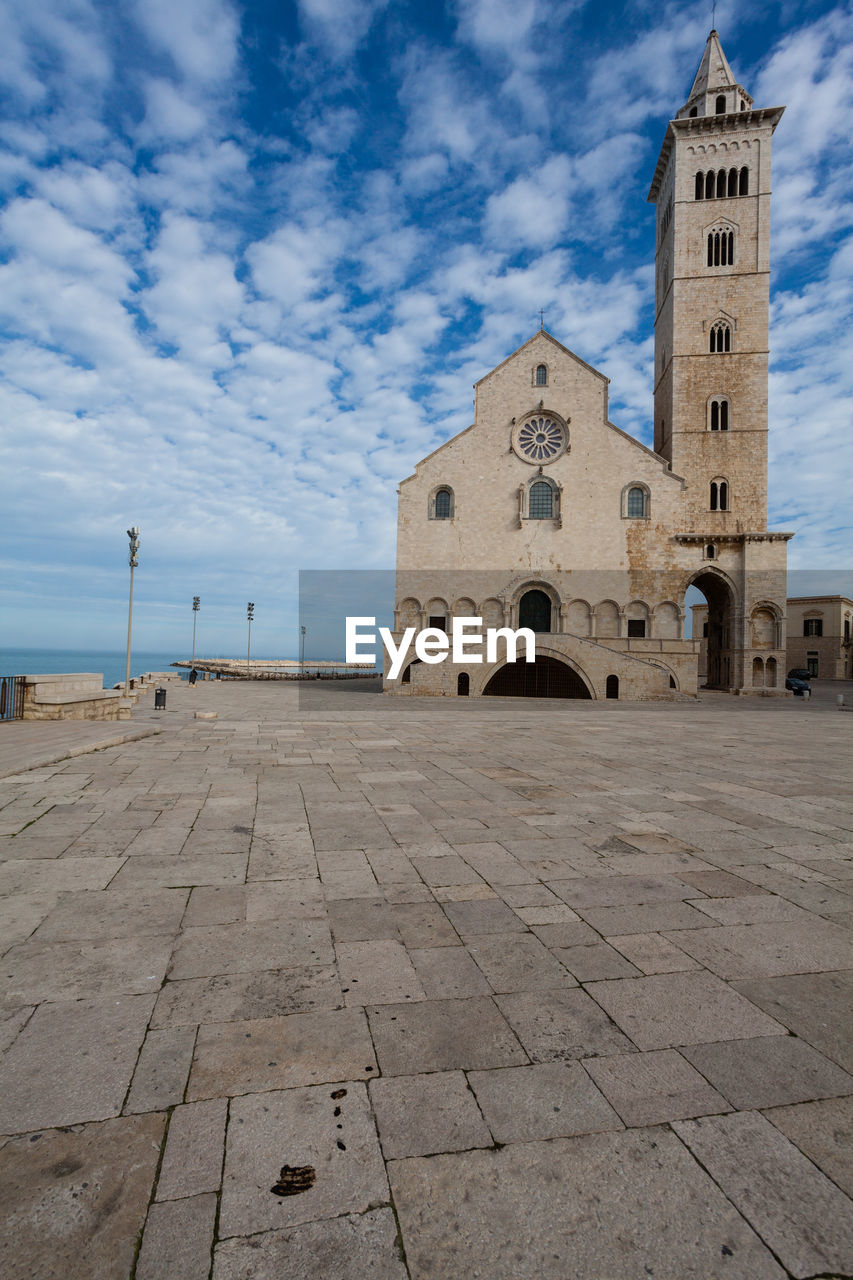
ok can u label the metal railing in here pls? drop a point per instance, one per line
(11, 697)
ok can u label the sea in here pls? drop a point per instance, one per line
(20, 662)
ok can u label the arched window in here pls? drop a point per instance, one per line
(540, 501)
(732, 187)
(442, 504)
(710, 184)
(743, 182)
(700, 186)
(710, 552)
(721, 183)
(721, 337)
(720, 108)
(721, 247)
(719, 495)
(719, 414)
(694, 111)
(541, 376)
(636, 503)
(463, 684)
(612, 687)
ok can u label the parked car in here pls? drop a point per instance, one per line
(797, 687)
(799, 673)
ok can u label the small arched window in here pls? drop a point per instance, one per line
(700, 186)
(541, 376)
(710, 184)
(611, 689)
(720, 108)
(710, 552)
(694, 111)
(719, 415)
(721, 183)
(442, 504)
(732, 187)
(743, 182)
(636, 502)
(721, 337)
(721, 247)
(540, 501)
(719, 495)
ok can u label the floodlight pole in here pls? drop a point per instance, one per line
(196, 607)
(133, 560)
(302, 654)
(250, 613)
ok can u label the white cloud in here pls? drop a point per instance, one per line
(339, 25)
(199, 36)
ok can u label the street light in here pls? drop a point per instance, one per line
(133, 561)
(250, 613)
(302, 655)
(196, 607)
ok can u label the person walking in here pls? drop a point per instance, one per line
(193, 676)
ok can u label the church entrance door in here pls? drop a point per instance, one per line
(534, 611)
(544, 678)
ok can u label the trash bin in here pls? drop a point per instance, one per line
(160, 699)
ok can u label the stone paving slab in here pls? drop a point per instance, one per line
(616, 1204)
(768, 1072)
(553, 927)
(425, 1114)
(824, 1132)
(281, 1053)
(72, 1062)
(347, 1248)
(329, 1131)
(804, 1218)
(74, 1200)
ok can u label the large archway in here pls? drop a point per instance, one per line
(544, 678)
(719, 629)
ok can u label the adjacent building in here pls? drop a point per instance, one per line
(819, 639)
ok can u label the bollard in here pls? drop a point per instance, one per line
(160, 699)
(840, 701)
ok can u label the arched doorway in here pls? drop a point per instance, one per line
(719, 629)
(544, 678)
(463, 684)
(534, 611)
(612, 687)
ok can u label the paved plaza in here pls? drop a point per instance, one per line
(341, 986)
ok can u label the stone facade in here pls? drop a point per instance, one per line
(544, 513)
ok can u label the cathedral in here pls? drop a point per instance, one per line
(544, 514)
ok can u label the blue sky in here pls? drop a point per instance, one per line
(253, 257)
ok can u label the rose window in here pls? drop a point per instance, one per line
(540, 439)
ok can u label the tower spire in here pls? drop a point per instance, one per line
(714, 84)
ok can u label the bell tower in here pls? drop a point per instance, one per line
(712, 263)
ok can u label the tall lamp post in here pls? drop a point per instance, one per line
(133, 560)
(302, 654)
(250, 613)
(196, 607)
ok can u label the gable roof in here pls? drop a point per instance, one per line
(543, 333)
